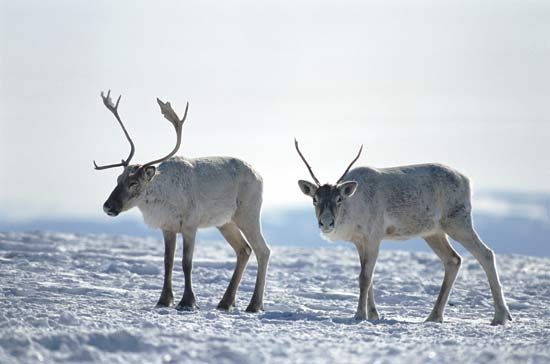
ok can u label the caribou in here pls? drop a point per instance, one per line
(430, 201)
(182, 195)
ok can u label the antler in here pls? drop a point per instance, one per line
(114, 109)
(307, 165)
(171, 116)
(351, 164)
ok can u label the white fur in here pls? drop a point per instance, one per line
(430, 201)
(187, 194)
(200, 192)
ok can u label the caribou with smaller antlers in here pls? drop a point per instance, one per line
(431, 201)
(182, 195)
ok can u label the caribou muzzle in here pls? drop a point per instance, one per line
(110, 210)
(326, 226)
(326, 221)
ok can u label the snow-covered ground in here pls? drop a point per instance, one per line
(77, 298)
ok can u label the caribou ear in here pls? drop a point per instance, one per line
(347, 189)
(150, 172)
(307, 188)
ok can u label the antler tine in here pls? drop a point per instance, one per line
(306, 163)
(172, 117)
(351, 164)
(108, 166)
(114, 109)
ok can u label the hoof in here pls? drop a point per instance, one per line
(224, 306)
(164, 302)
(254, 308)
(436, 319)
(187, 307)
(374, 316)
(187, 302)
(501, 318)
(360, 316)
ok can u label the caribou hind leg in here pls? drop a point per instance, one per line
(451, 261)
(257, 242)
(234, 237)
(460, 229)
(167, 296)
(250, 226)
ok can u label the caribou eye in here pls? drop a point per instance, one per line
(132, 184)
(339, 199)
(315, 200)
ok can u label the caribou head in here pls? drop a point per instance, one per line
(135, 178)
(327, 198)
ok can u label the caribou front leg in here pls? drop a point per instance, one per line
(368, 253)
(167, 297)
(188, 301)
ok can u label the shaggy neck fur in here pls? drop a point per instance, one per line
(161, 209)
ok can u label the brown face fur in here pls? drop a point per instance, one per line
(130, 185)
(327, 200)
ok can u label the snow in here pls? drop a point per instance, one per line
(90, 298)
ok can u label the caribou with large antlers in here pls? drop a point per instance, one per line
(431, 201)
(183, 195)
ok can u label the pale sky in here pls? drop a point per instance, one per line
(466, 83)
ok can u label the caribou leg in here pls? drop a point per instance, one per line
(188, 301)
(368, 253)
(451, 261)
(252, 231)
(167, 296)
(460, 229)
(234, 237)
